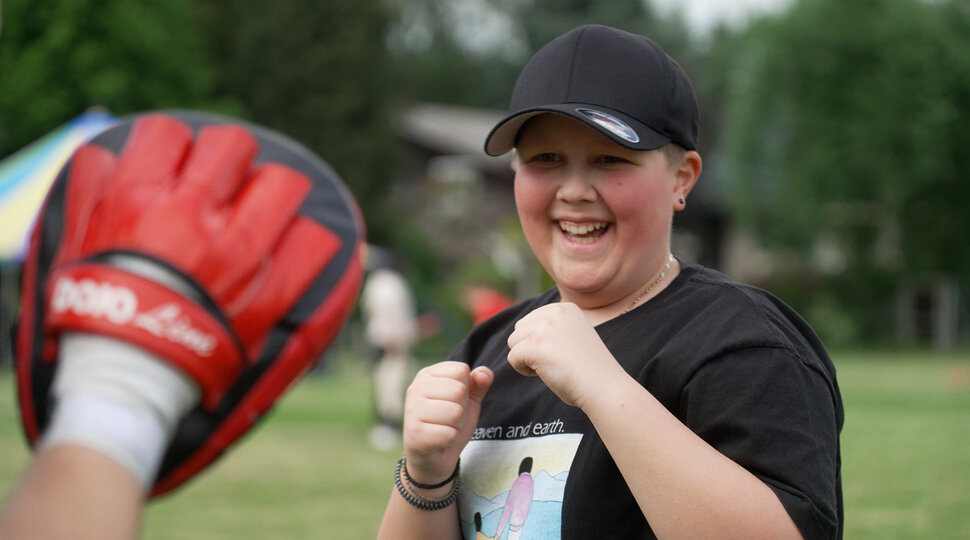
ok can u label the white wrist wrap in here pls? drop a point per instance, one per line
(118, 399)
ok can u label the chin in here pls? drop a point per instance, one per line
(579, 292)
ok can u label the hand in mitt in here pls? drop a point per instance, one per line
(226, 249)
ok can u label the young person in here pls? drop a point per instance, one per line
(654, 397)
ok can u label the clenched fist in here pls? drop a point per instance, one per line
(558, 344)
(440, 414)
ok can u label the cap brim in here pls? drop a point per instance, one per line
(503, 136)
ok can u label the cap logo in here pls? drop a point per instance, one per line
(612, 124)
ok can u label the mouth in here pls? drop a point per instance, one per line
(584, 233)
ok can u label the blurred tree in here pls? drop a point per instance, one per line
(844, 143)
(460, 52)
(59, 58)
(469, 52)
(546, 19)
(319, 73)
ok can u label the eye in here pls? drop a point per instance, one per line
(611, 160)
(542, 159)
(546, 157)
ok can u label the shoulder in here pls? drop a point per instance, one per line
(702, 284)
(737, 314)
(707, 316)
(703, 316)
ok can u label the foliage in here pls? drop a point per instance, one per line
(435, 61)
(833, 126)
(318, 73)
(546, 19)
(844, 128)
(439, 61)
(59, 58)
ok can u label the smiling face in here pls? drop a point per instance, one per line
(597, 215)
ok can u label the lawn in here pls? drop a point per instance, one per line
(309, 472)
(906, 445)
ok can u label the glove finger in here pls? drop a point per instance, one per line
(260, 215)
(155, 150)
(192, 214)
(151, 158)
(219, 162)
(90, 167)
(305, 249)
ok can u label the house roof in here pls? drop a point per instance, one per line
(453, 130)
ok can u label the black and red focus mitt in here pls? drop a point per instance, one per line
(263, 239)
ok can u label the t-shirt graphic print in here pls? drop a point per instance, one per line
(512, 488)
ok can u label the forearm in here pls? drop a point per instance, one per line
(56, 500)
(441, 412)
(684, 487)
(117, 406)
(404, 522)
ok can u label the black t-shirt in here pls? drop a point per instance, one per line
(732, 362)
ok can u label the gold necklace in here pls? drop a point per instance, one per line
(650, 287)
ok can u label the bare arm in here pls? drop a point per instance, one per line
(74, 492)
(403, 521)
(440, 414)
(684, 487)
(117, 406)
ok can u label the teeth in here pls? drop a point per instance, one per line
(581, 229)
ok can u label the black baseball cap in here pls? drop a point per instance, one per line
(621, 84)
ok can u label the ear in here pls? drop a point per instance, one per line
(685, 176)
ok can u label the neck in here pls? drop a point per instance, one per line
(664, 270)
(658, 281)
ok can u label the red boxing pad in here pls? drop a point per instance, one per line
(261, 231)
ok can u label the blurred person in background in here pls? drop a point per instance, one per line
(391, 328)
(484, 301)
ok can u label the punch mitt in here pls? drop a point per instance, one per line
(262, 239)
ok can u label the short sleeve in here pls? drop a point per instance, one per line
(774, 414)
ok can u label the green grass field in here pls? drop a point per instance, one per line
(309, 472)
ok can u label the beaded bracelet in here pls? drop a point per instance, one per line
(415, 483)
(424, 503)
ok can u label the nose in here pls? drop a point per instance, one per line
(576, 186)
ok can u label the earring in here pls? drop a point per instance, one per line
(681, 201)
